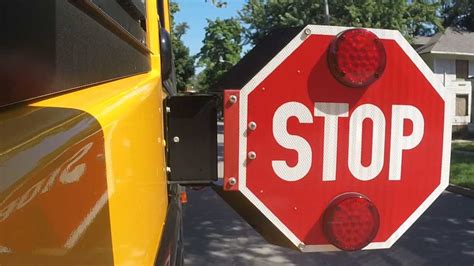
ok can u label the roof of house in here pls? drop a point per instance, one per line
(420, 40)
(451, 41)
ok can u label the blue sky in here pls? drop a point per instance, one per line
(195, 13)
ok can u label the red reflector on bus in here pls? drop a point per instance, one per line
(351, 221)
(183, 197)
(356, 58)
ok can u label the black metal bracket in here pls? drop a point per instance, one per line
(191, 133)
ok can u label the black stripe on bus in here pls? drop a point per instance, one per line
(51, 46)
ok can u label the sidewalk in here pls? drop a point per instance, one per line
(467, 192)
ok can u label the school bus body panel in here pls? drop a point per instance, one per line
(53, 187)
(83, 176)
(83, 173)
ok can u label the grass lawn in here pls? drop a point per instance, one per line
(463, 146)
(462, 165)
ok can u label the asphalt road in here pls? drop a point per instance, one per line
(215, 235)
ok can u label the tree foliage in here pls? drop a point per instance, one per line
(261, 16)
(458, 13)
(220, 51)
(410, 17)
(218, 3)
(183, 62)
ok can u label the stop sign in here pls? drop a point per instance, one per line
(298, 138)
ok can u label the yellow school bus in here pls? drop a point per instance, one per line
(83, 173)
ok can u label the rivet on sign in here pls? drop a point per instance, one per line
(261, 191)
(232, 181)
(298, 71)
(252, 155)
(263, 88)
(252, 125)
(176, 139)
(295, 208)
(307, 31)
(233, 99)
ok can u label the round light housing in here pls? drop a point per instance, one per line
(356, 58)
(351, 221)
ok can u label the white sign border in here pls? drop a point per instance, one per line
(274, 63)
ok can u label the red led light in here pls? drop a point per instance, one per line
(351, 221)
(356, 58)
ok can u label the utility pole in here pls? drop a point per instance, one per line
(326, 12)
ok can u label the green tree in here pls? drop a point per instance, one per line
(262, 16)
(220, 51)
(218, 3)
(183, 62)
(411, 18)
(458, 13)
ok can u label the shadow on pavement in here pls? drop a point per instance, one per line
(216, 235)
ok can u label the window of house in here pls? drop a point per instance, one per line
(471, 69)
(462, 105)
(462, 69)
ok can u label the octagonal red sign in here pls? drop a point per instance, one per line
(296, 138)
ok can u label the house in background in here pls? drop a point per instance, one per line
(450, 55)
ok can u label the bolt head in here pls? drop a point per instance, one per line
(307, 31)
(252, 155)
(233, 99)
(176, 139)
(252, 125)
(232, 181)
